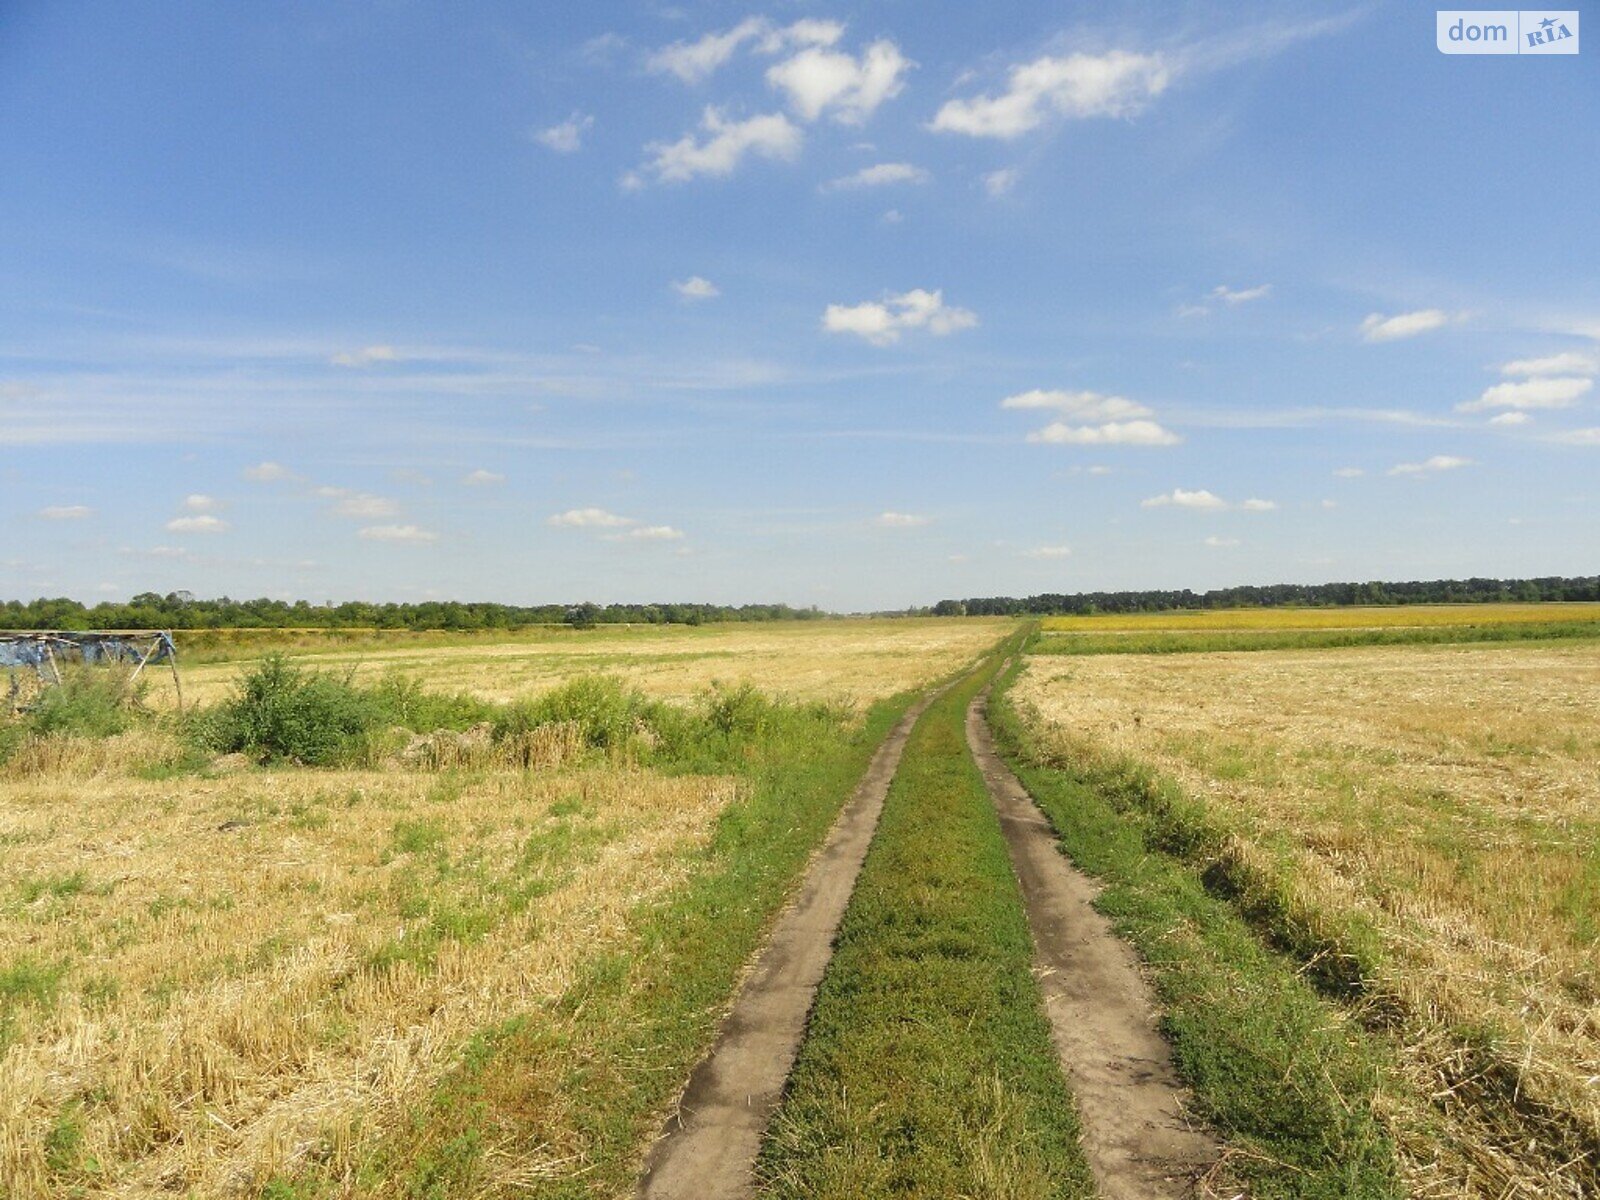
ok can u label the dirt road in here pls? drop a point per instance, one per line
(1138, 1140)
(708, 1148)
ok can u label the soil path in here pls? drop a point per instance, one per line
(1138, 1139)
(708, 1149)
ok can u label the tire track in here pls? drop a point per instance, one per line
(1136, 1134)
(708, 1148)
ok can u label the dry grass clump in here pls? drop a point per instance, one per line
(141, 748)
(544, 747)
(1448, 799)
(860, 661)
(207, 983)
(1406, 616)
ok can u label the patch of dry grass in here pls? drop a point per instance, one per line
(210, 982)
(860, 661)
(1450, 797)
(1407, 616)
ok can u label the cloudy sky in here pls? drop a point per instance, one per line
(861, 305)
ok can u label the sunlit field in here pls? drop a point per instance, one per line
(1431, 813)
(859, 661)
(223, 973)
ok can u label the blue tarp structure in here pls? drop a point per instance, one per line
(46, 651)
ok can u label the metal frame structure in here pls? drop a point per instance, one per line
(45, 650)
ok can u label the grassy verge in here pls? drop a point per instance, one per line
(1203, 641)
(928, 1068)
(1292, 1082)
(611, 1053)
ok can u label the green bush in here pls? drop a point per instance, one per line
(85, 704)
(283, 713)
(403, 700)
(609, 713)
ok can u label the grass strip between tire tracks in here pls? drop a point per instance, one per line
(928, 1069)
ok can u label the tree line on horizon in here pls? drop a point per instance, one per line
(179, 610)
(1278, 595)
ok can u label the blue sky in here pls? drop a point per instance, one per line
(855, 305)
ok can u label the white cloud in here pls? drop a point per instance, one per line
(1193, 310)
(900, 520)
(366, 356)
(1115, 84)
(1330, 504)
(1221, 543)
(397, 533)
(1439, 462)
(1112, 433)
(1048, 552)
(696, 288)
(567, 137)
(1557, 391)
(882, 322)
(880, 175)
(772, 136)
(589, 518)
(998, 183)
(1101, 420)
(200, 524)
(819, 80)
(1511, 418)
(1255, 505)
(892, 217)
(695, 61)
(66, 512)
(1179, 498)
(1083, 406)
(198, 503)
(1555, 364)
(1579, 437)
(653, 533)
(360, 505)
(268, 472)
(1241, 295)
(482, 478)
(1350, 472)
(1379, 328)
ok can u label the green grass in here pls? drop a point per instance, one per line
(1204, 641)
(928, 1069)
(1290, 1079)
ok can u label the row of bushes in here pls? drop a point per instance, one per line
(281, 712)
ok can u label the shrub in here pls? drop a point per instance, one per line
(404, 701)
(609, 714)
(90, 705)
(282, 712)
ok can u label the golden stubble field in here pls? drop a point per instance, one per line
(855, 660)
(248, 967)
(1449, 794)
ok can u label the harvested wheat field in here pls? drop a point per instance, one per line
(1444, 800)
(227, 973)
(858, 660)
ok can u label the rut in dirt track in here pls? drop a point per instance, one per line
(708, 1149)
(1136, 1135)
